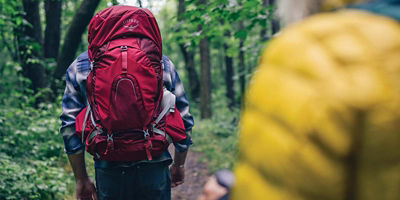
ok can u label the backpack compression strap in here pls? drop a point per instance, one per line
(168, 105)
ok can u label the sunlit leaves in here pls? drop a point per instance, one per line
(215, 17)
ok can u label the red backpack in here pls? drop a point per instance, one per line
(129, 112)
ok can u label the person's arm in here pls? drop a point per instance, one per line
(174, 84)
(85, 188)
(72, 104)
(177, 168)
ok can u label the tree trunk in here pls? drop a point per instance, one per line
(29, 46)
(273, 22)
(72, 39)
(230, 94)
(264, 30)
(275, 25)
(242, 67)
(205, 89)
(140, 3)
(191, 71)
(188, 55)
(52, 33)
(32, 15)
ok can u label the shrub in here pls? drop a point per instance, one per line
(217, 137)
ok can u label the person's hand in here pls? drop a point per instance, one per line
(177, 175)
(212, 190)
(85, 190)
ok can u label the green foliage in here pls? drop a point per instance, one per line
(31, 180)
(32, 159)
(34, 131)
(217, 137)
(226, 23)
(10, 19)
(214, 18)
(32, 153)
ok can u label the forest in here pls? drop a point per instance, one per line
(214, 44)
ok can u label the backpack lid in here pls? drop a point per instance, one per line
(122, 21)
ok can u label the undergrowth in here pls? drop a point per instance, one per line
(32, 160)
(216, 138)
(32, 157)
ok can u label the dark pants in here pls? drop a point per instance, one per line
(144, 181)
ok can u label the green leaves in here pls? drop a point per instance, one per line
(31, 180)
(31, 158)
(10, 20)
(217, 137)
(215, 17)
(241, 34)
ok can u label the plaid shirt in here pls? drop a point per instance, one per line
(75, 100)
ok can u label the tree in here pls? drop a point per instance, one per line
(229, 73)
(242, 66)
(273, 23)
(72, 39)
(264, 30)
(29, 45)
(188, 56)
(211, 22)
(52, 33)
(205, 76)
(32, 15)
(205, 89)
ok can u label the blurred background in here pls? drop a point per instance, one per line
(215, 45)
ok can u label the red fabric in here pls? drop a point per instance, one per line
(122, 21)
(79, 123)
(175, 127)
(124, 88)
(111, 91)
(127, 147)
(136, 29)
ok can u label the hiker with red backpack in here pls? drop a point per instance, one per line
(124, 103)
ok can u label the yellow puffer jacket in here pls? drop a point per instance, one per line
(322, 114)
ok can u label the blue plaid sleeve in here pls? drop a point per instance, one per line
(74, 100)
(173, 83)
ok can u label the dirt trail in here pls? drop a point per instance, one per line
(196, 175)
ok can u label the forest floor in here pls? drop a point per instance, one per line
(196, 174)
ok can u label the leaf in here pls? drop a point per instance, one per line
(241, 34)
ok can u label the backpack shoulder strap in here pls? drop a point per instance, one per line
(167, 105)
